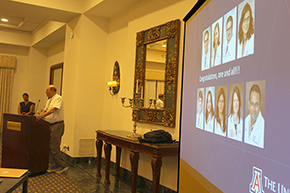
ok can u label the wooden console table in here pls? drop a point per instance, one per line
(120, 140)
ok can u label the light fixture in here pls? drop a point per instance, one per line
(4, 19)
(114, 86)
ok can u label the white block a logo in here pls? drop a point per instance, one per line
(256, 183)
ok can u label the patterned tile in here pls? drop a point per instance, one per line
(51, 182)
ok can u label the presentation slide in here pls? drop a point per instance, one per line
(234, 131)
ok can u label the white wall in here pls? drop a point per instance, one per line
(121, 47)
(88, 104)
(84, 77)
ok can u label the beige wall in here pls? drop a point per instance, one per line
(88, 65)
(84, 81)
(20, 81)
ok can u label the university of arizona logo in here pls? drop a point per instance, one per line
(256, 183)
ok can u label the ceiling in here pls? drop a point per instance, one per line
(25, 16)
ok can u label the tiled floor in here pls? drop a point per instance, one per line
(85, 176)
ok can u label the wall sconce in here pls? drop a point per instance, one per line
(114, 86)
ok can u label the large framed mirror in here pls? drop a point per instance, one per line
(155, 81)
(56, 73)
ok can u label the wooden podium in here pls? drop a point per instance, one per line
(25, 143)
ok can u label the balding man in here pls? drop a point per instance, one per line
(254, 122)
(53, 113)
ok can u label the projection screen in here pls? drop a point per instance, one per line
(234, 133)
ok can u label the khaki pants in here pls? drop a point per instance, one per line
(56, 132)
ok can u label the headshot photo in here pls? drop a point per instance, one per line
(199, 110)
(209, 109)
(221, 110)
(205, 60)
(246, 20)
(216, 49)
(235, 118)
(229, 39)
(254, 122)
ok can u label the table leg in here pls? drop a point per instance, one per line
(24, 186)
(156, 164)
(108, 148)
(99, 144)
(134, 158)
(118, 158)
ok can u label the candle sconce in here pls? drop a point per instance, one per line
(114, 86)
(152, 101)
(135, 106)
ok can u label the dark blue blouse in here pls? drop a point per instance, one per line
(25, 108)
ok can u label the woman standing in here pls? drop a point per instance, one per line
(220, 123)
(216, 51)
(246, 32)
(209, 113)
(235, 122)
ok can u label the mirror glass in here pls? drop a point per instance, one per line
(155, 74)
(56, 77)
(157, 51)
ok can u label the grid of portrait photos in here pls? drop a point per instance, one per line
(221, 110)
(230, 37)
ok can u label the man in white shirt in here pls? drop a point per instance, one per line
(160, 101)
(53, 113)
(254, 122)
(229, 53)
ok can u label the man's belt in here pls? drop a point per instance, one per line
(56, 123)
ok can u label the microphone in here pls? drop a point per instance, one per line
(37, 106)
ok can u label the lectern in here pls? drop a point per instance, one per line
(25, 143)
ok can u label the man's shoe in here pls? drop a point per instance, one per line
(60, 170)
(52, 169)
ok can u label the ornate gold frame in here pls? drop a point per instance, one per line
(171, 32)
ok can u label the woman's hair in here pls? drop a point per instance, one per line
(221, 93)
(200, 95)
(25, 94)
(230, 18)
(211, 108)
(250, 32)
(237, 91)
(206, 32)
(217, 26)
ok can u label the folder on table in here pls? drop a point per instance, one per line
(12, 173)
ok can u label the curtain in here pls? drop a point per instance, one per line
(149, 92)
(7, 66)
(160, 88)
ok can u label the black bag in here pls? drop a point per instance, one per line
(158, 136)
